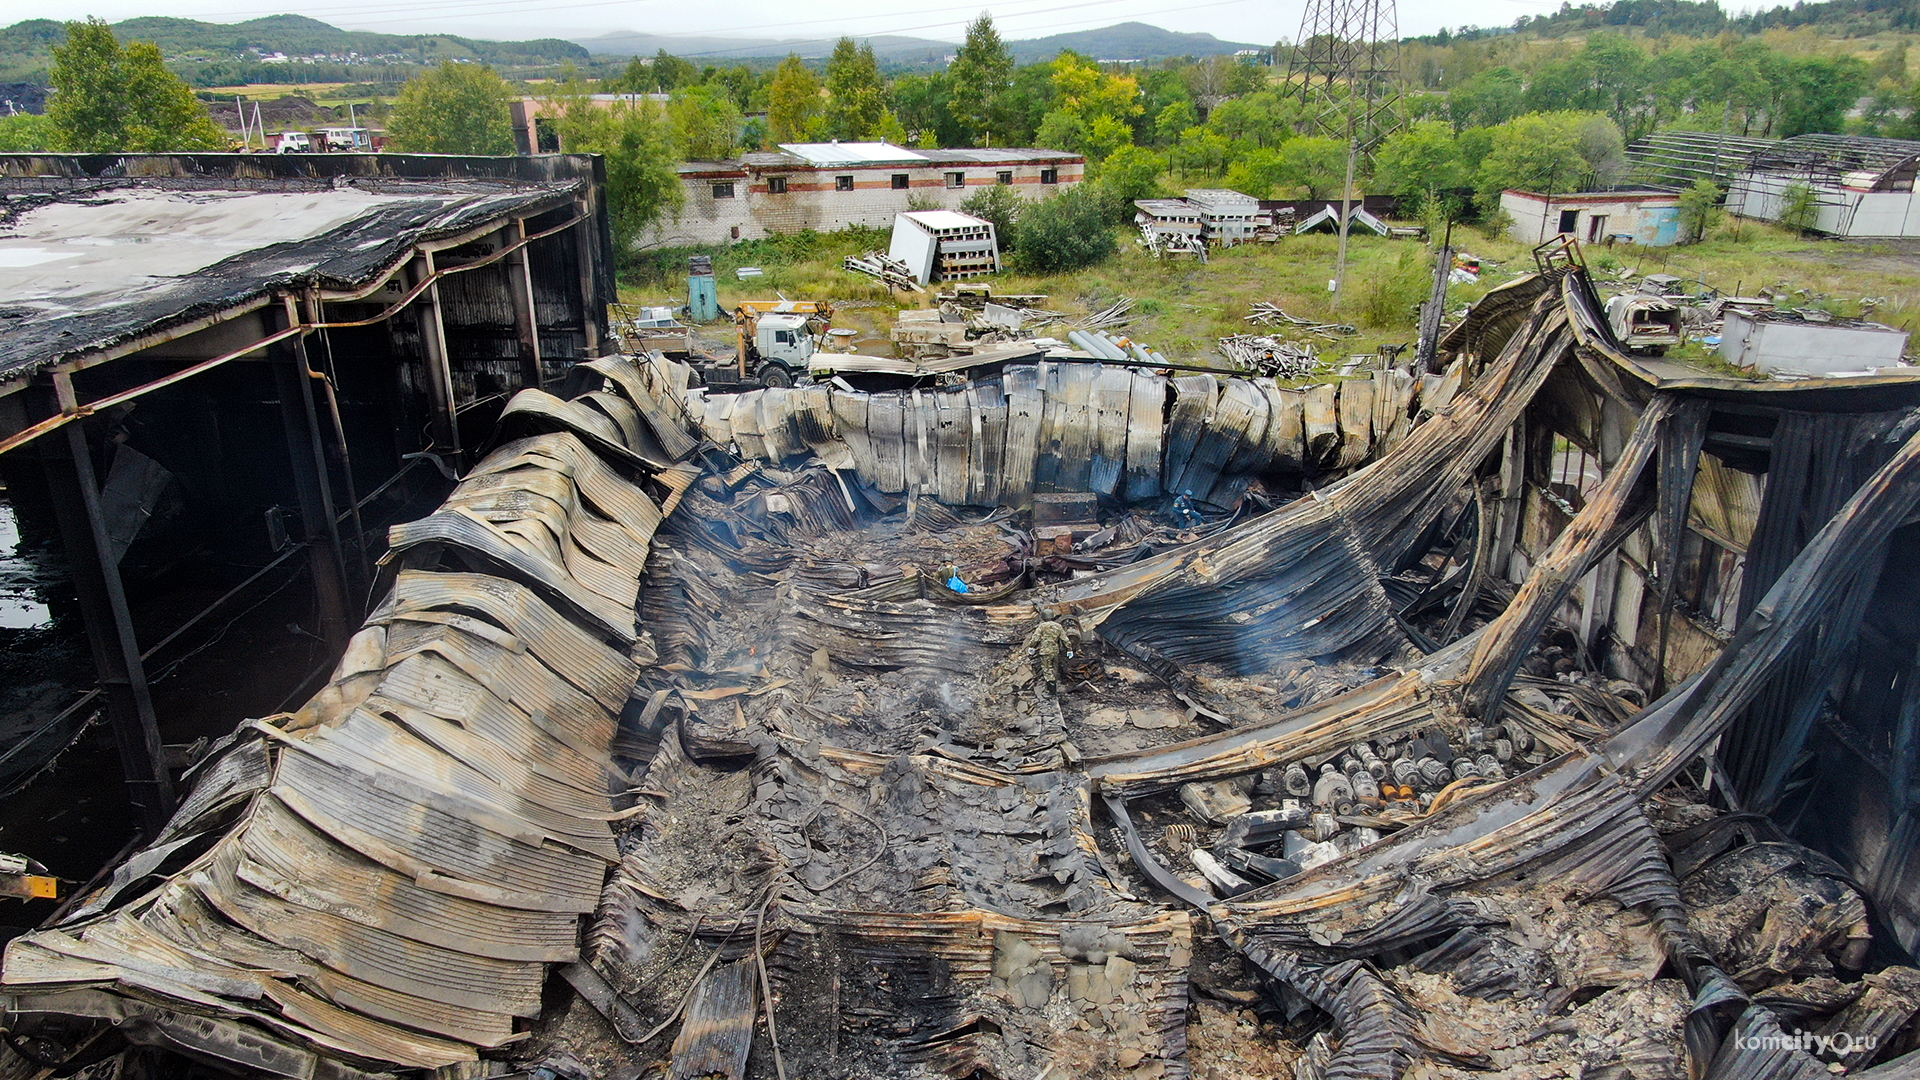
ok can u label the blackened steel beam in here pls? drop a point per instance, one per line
(433, 351)
(525, 318)
(309, 460)
(593, 313)
(109, 626)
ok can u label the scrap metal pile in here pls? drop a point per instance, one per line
(897, 790)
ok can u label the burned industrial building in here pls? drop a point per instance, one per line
(1546, 713)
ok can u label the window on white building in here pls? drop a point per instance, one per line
(1049, 176)
(1006, 176)
(843, 183)
(899, 181)
(776, 185)
(723, 191)
(956, 179)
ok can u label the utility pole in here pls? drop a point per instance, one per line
(1348, 65)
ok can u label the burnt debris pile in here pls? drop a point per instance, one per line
(1083, 723)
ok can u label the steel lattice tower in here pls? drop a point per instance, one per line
(1346, 66)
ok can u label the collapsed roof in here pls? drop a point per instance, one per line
(817, 813)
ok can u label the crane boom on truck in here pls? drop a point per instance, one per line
(776, 338)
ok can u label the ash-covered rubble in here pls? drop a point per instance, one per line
(1409, 768)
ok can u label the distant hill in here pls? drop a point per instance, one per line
(1706, 18)
(1126, 41)
(26, 47)
(891, 48)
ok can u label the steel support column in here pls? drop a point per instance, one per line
(525, 318)
(589, 285)
(433, 348)
(309, 460)
(109, 625)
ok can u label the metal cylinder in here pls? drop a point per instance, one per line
(1332, 789)
(1296, 780)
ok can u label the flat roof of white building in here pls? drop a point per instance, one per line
(851, 153)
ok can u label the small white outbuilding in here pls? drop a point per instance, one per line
(942, 245)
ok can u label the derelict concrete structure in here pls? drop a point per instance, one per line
(264, 331)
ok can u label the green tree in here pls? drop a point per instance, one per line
(1259, 173)
(1699, 209)
(1203, 149)
(671, 73)
(1000, 204)
(1129, 173)
(1799, 208)
(26, 133)
(856, 96)
(793, 100)
(1490, 97)
(1173, 118)
(1070, 231)
(1549, 152)
(106, 98)
(453, 109)
(706, 123)
(1317, 164)
(1258, 119)
(981, 79)
(1419, 160)
(1820, 91)
(921, 103)
(637, 141)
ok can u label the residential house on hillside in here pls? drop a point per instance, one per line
(1861, 186)
(828, 186)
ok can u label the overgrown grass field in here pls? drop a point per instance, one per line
(1183, 308)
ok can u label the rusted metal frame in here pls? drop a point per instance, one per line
(194, 326)
(414, 291)
(308, 459)
(72, 409)
(1500, 651)
(348, 296)
(433, 351)
(525, 315)
(109, 625)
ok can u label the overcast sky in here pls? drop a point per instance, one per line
(1259, 21)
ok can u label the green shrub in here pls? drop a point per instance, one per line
(1070, 231)
(1394, 297)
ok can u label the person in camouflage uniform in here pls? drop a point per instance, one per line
(1049, 647)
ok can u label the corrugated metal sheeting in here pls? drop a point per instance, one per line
(1068, 426)
(381, 877)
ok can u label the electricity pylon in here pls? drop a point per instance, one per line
(1347, 68)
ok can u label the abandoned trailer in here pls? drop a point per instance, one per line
(1547, 714)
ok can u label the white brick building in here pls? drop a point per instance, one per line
(828, 186)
